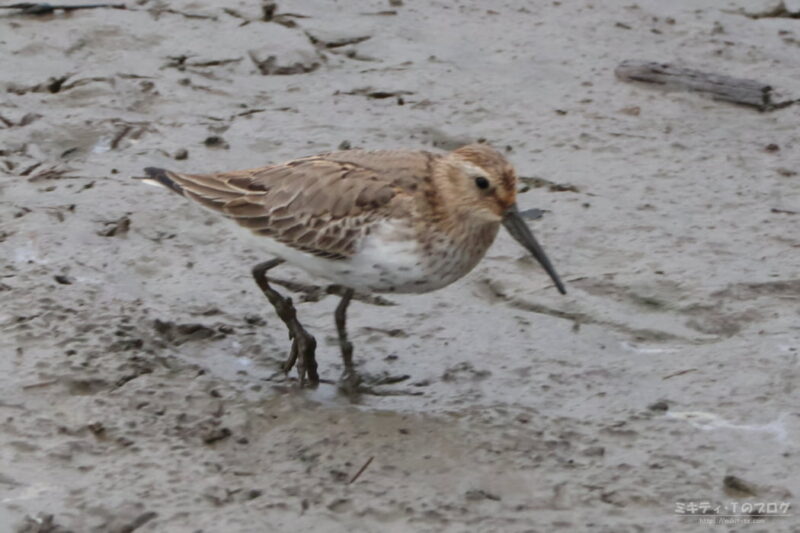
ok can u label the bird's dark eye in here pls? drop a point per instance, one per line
(481, 182)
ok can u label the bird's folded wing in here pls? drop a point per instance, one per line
(317, 205)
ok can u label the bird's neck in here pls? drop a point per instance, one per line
(465, 230)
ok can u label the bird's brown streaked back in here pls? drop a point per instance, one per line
(320, 205)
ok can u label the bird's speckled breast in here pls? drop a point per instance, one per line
(394, 259)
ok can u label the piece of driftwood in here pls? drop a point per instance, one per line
(779, 11)
(43, 8)
(736, 90)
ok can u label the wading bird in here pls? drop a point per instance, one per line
(384, 221)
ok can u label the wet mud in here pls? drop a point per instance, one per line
(137, 376)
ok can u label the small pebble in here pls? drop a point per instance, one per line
(738, 487)
(660, 405)
(215, 141)
(594, 451)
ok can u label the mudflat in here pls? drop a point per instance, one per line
(137, 387)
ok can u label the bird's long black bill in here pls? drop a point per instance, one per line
(518, 229)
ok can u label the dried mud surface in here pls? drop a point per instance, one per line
(136, 351)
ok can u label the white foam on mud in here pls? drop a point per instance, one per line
(709, 421)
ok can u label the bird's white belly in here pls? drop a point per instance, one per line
(388, 260)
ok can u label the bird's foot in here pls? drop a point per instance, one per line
(354, 384)
(302, 355)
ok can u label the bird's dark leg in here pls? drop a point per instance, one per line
(350, 378)
(303, 344)
(351, 382)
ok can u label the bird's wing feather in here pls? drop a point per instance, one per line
(320, 205)
(404, 169)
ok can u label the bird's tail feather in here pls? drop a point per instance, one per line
(160, 177)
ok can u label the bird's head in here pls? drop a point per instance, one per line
(483, 185)
(483, 181)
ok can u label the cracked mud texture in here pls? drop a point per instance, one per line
(136, 348)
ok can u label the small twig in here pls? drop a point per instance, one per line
(157, 12)
(30, 169)
(336, 43)
(679, 373)
(43, 8)
(41, 384)
(361, 470)
(51, 173)
(250, 112)
(269, 66)
(84, 81)
(534, 182)
(391, 380)
(120, 135)
(369, 92)
(370, 391)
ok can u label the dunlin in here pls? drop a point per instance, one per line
(367, 221)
